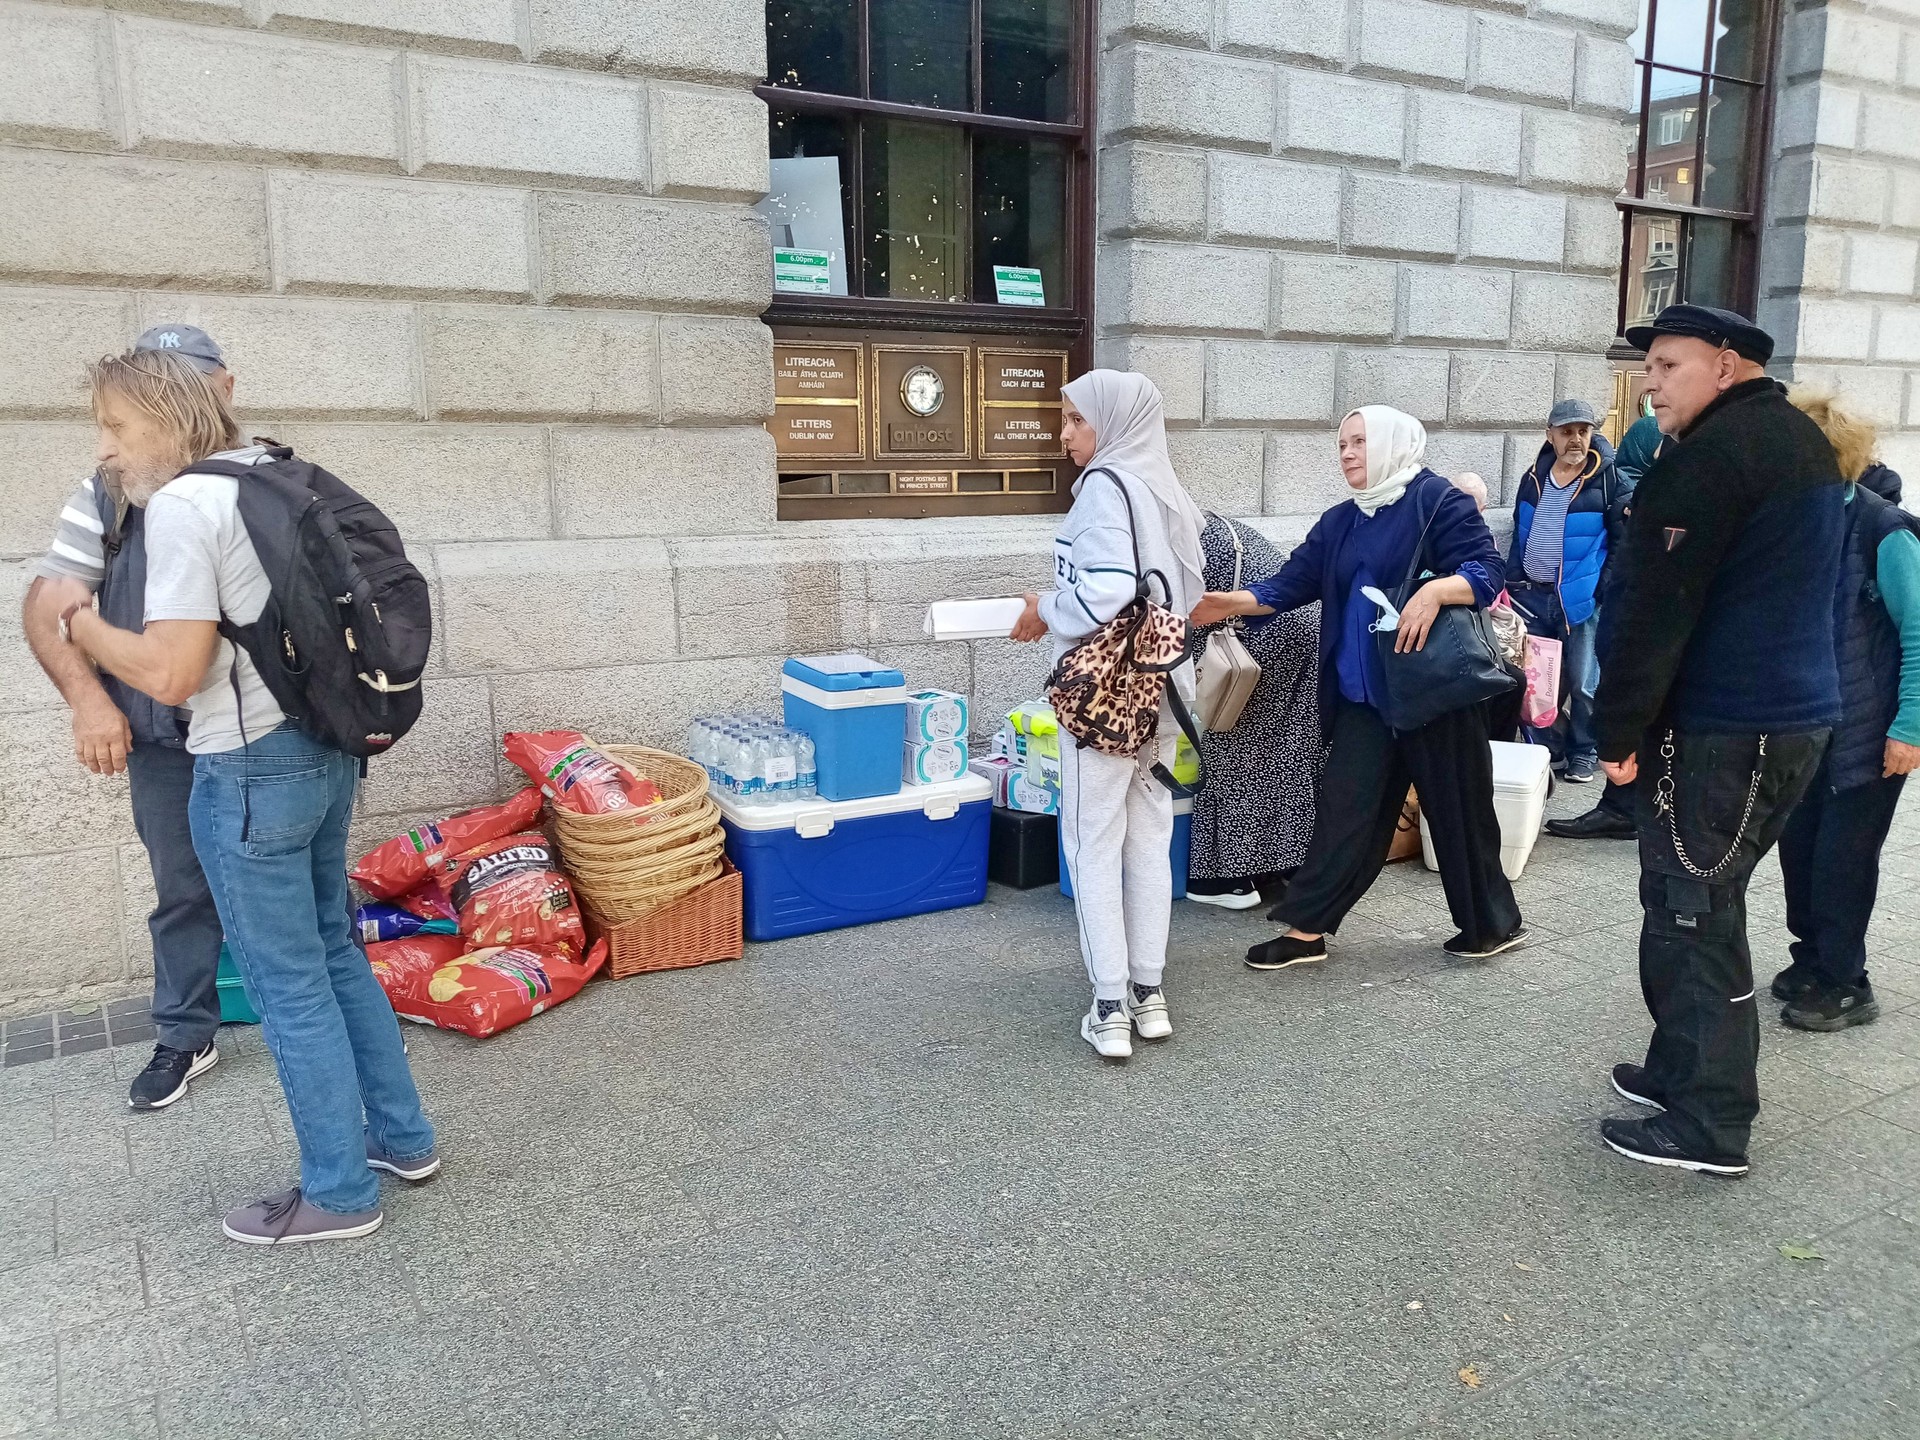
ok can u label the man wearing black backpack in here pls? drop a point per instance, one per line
(100, 541)
(271, 799)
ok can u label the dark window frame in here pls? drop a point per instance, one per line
(1746, 222)
(1070, 321)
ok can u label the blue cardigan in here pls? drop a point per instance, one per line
(1583, 553)
(1347, 549)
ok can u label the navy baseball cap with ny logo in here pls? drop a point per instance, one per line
(189, 342)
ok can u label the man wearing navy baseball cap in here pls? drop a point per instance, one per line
(1717, 701)
(100, 540)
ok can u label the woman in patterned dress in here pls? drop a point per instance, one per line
(1252, 820)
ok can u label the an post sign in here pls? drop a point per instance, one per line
(915, 424)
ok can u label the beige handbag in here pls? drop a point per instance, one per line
(1228, 674)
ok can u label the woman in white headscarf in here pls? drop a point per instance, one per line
(1398, 507)
(1116, 819)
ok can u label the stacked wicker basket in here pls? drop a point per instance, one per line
(656, 881)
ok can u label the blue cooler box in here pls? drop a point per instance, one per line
(1179, 851)
(812, 865)
(855, 710)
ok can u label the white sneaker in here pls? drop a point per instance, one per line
(1150, 1018)
(1111, 1038)
(1231, 900)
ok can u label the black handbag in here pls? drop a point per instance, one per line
(1459, 665)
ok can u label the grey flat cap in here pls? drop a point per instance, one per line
(189, 342)
(1572, 412)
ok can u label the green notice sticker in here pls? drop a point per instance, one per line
(809, 272)
(1018, 285)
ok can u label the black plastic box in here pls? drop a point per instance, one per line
(1023, 849)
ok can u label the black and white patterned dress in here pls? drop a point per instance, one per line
(1255, 814)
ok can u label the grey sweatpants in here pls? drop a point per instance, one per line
(1116, 824)
(184, 925)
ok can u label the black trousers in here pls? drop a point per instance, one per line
(184, 925)
(1830, 861)
(1358, 805)
(1696, 972)
(1617, 800)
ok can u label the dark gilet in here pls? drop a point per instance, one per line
(1867, 645)
(123, 603)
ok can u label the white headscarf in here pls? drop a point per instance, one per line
(1396, 452)
(1130, 425)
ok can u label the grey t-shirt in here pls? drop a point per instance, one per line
(201, 566)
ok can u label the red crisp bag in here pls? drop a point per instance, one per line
(510, 891)
(576, 775)
(430, 980)
(402, 863)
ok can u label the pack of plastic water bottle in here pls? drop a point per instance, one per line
(752, 758)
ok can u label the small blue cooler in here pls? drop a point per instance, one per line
(812, 865)
(855, 710)
(1180, 851)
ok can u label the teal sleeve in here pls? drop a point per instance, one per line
(1898, 563)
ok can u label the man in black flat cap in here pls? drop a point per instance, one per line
(1716, 701)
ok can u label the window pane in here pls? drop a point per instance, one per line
(1653, 266)
(922, 52)
(1673, 127)
(1730, 107)
(1024, 67)
(1020, 215)
(1740, 38)
(1712, 264)
(1680, 34)
(809, 202)
(914, 179)
(812, 45)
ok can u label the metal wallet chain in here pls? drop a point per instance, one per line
(1663, 802)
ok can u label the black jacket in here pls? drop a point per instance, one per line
(1724, 620)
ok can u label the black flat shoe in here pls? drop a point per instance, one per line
(1278, 954)
(1463, 948)
(1596, 824)
(1650, 1142)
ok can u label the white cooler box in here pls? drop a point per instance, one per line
(1522, 774)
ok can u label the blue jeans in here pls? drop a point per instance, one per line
(270, 827)
(1539, 605)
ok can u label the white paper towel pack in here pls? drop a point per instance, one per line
(973, 619)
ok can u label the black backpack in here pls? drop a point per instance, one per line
(347, 631)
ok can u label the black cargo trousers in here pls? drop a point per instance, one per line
(1708, 808)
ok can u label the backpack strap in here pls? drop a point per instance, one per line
(1140, 572)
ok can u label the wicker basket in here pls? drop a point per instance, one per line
(700, 927)
(631, 862)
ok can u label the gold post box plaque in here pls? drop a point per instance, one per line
(1020, 402)
(920, 402)
(819, 410)
(923, 482)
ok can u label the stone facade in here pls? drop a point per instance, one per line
(1838, 263)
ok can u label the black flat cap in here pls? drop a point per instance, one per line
(1704, 322)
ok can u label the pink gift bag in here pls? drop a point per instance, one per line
(1541, 705)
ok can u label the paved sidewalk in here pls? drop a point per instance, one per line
(872, 1184)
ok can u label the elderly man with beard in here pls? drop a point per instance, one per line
(101, 543)
(269, 807)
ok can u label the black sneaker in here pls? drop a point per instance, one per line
(1832, 1007)
(1793, 982)
(1630, 1083)
(1466, 949)
(168, 1074)
(1649, 1142)
(1285, 950)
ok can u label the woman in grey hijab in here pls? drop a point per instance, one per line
(1116, 819)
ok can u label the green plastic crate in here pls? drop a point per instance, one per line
(236, 1007)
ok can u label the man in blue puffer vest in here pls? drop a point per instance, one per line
(1553, 571)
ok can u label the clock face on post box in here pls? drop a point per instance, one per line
(922, 390)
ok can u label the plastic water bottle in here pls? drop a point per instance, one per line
(783, 772)
(806, 785)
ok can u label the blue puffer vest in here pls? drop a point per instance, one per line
(1583, 554)
(1867, 645)
(123, 603)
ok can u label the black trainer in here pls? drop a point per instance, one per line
(168, 1074)
(1832, 1007)
(1793, 982)
(1285, 950)
(1630, 1083)
(1651, 1143)
(1598, 823)
(1467, 949)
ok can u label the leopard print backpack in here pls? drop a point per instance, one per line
(1107, 690)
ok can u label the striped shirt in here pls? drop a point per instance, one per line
(79, 549)
(1549, 534)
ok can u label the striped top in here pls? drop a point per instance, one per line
(79, 549)
(1547, 539)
